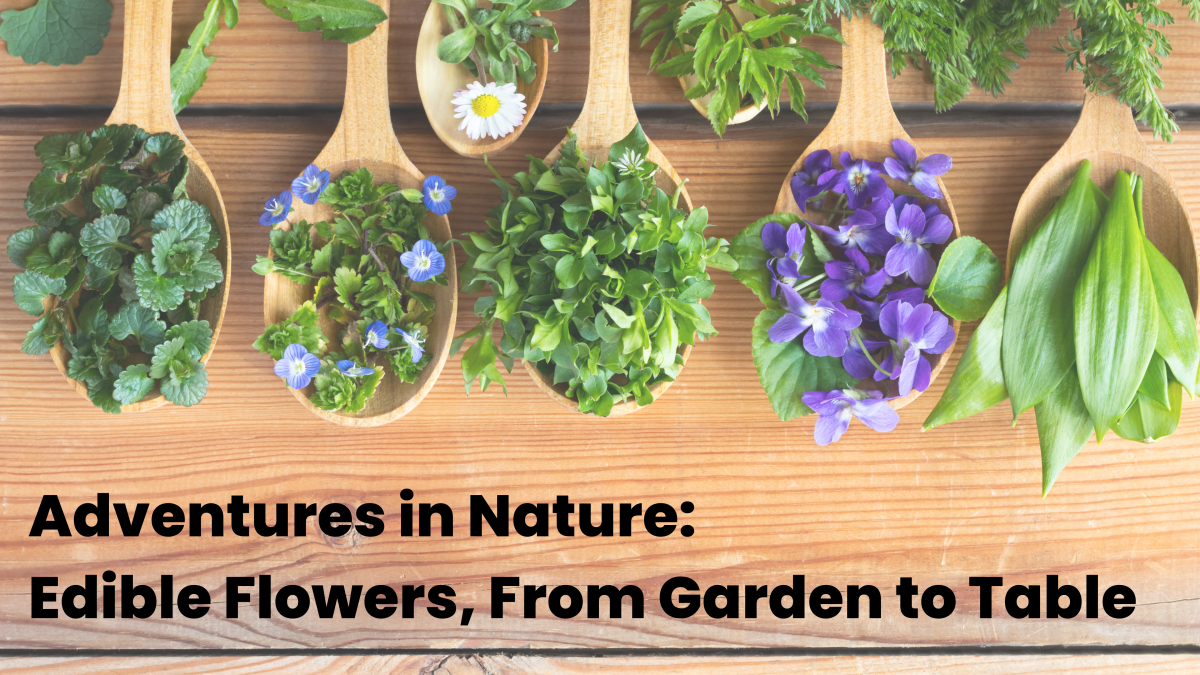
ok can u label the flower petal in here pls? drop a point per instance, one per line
(895, 169)
(294, 352)
(786, 328)
(935, 165)
(938, 230)
(829, 428)
(927, 184)
(876, 414)
(906, 152)
(774, 240)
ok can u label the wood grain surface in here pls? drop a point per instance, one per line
(940, 506)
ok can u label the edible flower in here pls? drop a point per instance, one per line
(830, 322)
(414, 344)
(915, 331)
(914, 234)
(787, 248)
(377, 335)
(423, 261)
(851, 278)
(862, 230)
(835, 408)
(630, 162)
(438, 195)
(276, 209)
(309, 186)
(353, 369)
(855, 360)
(919, 174)
(489, 109)
(859, 180)
(297, 366)
(814, 178)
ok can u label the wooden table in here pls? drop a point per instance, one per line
(960, 501)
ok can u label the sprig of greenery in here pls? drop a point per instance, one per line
(737, 64)
(595, 274)
(487, 41)
(117, 265)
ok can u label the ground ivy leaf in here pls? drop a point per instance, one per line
(140, 322)
(192, 219)
(101, 394)
(99, 240)
(22, 242)
(31, 288)
(968, 279)
(196, 336)
(205, 274)
(978, 381)
(46, 192)
(56, 31)
(167, 148)
(108, 199)
(46, 333)
(155, 292)
(133, 384)
(786, 371)
(186, 391)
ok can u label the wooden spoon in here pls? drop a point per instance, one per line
(437, 81)
(1107, 135)
(364, 138)
(864, 125)
(608, 117)
(145, 100)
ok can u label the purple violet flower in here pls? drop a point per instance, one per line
(913, 295)
(856, 362)
(862, 230)
(297, 366)
(859, 180)
(830, 322)
(276, 209)
(835, 408)
(423, 262)
(851, 278)
(919, 174)
(915, 331)
(309, 186)
(438, 195)
(787, 249)
(815, 178)
(914, 233)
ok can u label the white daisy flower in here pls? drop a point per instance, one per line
(629, 163)
(489, 109)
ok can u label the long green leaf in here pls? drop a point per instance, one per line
(1147, 420)
(190, 69)
(978, 382)
(1116, 313)
(1155, 381)
(1063, 427)
(1039, 343)
(1177, 341)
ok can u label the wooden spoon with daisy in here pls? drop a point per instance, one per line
(364, 138)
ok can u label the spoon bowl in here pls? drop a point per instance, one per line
(1106, 134)
(437, 81)
(606, 118)
(364, 138)
(145, 100)
(865, 125)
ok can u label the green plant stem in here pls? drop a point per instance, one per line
(810, 282)
(127, 247)
(867, 353)
(452, 18)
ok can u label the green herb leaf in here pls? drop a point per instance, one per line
(786, 371)
(141, 323)
(968, 279)
(46, 192)
(101, 241)
(56, 31)
(46, 333)
(133, 384)
(24, 241)
(696, 13)
(196, 336)
(1063, 426)
(1039, 330)
(190, 69)
(154, 291)
(301, 328)
(108, 199)
(1147, 420)
(1116, 313)
(1177, 343)
(188, 390)
(457, 46)
(978, 381)
(31, 288)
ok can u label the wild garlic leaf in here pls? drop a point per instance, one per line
(786, 370)
(1178, 342)
(31, 288)
(155, 291)
(1039, 331)
(56, 31)
(1063, 426)
(968, 279)
(1148, 420)
(133, 384)
(101, 240)
(978, 382)
(1116, 313)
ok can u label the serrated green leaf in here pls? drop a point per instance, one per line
(46, 192)
(968, 279)
(101, 241)
(172, 254)
(336, 14)
(46, 333)
(167, 149)
(697, 13)
(348, 283)
(205, 274)
(1116, 313)
(196, 336)
(141, 323)
(31, 288)
(190, 69)
(154, 291)
(133, 384)
(786, 371)
(56, 31)
(108, 199)
(978, 382)
(1039, 330)
(22, 242)
(186, 391)
(1063, 426)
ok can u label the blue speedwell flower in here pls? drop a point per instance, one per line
(276, 209)
(353, 369)
(377, 335)
(297, 366)
(835, 408)
(438, 195)
(309, 186)
(414, 344)
(423, 261)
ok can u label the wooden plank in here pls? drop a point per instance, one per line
(514, 665)
(941, 506)
(266, 61)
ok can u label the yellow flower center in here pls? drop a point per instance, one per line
(486, 105)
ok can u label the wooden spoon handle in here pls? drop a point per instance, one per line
(607, 114)
(145, 97)
(864, 110)
(365, 128)
(1106, 124)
